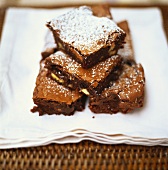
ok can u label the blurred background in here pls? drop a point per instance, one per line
(6, 3)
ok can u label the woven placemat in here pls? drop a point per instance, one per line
(86, 154)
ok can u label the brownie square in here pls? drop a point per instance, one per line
(124, 94)
(86, 38)
(71, 74)
(101, 11)
(50, 46)
(127, 52)
(127, 92)
(53, 98)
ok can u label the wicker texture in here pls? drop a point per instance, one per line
(86, 155)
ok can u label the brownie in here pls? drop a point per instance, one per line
(101, 11)
(53, 98)
(127, 51)
(124, 94)
(49, 46)
(86, 38)
(71, 74)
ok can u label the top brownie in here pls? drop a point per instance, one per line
(86, 38)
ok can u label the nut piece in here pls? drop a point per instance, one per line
(60, 45)
(56, 78)
(85, 91)
(112, 47)
(111, 53)
(70, 85)
(112, 50)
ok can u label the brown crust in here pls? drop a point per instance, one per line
(44, 106)
(89, 60)
(101, 11)
(52, 98)
(74, 76)
(124, 95)
(127, 52)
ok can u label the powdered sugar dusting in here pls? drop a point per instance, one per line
(95, 74)
(130, 84)
(85, 32)
(52, 91)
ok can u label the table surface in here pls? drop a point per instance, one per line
(87, 154)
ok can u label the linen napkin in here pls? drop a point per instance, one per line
(21, 44)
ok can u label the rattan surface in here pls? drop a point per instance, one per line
(86, 154)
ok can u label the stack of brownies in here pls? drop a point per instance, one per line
(85, 56)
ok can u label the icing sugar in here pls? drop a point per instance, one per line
(95, 74)
(50, 89)
(130, 83)
(84, 31)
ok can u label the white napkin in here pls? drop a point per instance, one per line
(21, 45)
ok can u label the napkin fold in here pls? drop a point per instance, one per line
(21, 44)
